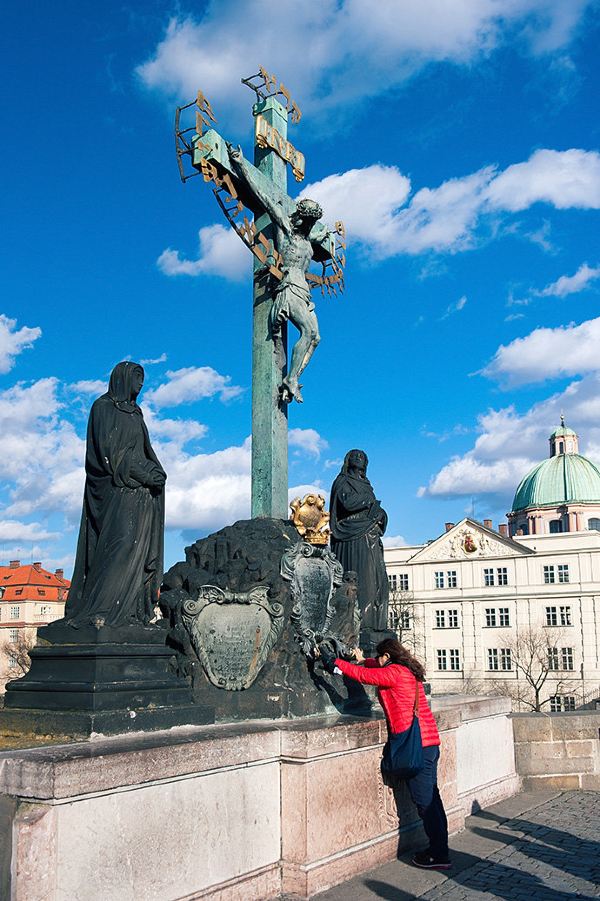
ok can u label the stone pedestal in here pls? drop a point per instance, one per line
(99, 680)
(229, 812)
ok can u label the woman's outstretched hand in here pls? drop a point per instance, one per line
(358, 655)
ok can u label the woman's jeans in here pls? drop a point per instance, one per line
(426, 797)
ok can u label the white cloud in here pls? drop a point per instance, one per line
(568, 178)
(510, 444)
(13, 341)
(310, 488)
(13, 530)
(222, 252)
(455, 307)
(571, 284)
(193, 383)
(330, 45)
(378, 212)
(548, 353)
(394, 541)
(308, 441)
(90, 386)
(152, 362)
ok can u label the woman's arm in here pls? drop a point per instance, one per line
(384, 676)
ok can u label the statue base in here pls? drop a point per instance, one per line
(107, 679)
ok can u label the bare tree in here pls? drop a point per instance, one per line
(404, 620)
(17, 654)
(536, 655)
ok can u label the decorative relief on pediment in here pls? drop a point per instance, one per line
(465, 544)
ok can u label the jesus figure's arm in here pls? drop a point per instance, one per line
(271, 206)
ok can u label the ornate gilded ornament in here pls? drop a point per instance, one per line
(314, 574)
(233, 633)
(311, 519)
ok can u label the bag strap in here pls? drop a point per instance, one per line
(417, 697)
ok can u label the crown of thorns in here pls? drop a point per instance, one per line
(308, 209)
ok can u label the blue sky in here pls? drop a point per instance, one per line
(457, 139)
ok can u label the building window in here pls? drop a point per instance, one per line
(488, 577)
(556, 526)
(566, 656)
(403, 581)
(503, 616)
(15, 612)
(451, 578)
(398, 619)
(455, 659)
(45, 609)
(549, 575)
(551, 617)
(13, 635)
(552, 658)
(505, 659)
(18, 591)
(562, 702)
(492, 658)
(393, 582)
(440, 619)
(565, 616)
(439, 579)
(441, 660)
(502, 573)
(490, 617)
(453, 619)
(2, 590)
(563, 572)
(594, 524)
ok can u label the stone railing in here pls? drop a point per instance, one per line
(558, 750)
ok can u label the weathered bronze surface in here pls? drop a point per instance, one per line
(233, 632)
(314, 574)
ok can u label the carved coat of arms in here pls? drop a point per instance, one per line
(314, 574)
(232, 633)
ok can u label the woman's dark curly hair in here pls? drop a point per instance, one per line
(399, 654)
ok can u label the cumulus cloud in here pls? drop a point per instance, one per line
(90, 386)
(152, 362)
(547, 353)
(14, 341)
(567, 178)
(379, 213)
(394, 541)
(571, 284)
(184, 386)
(329, 46)
(13, 530)
(221, 252)
(509, 444)
(307, 441)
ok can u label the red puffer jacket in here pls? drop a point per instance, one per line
(396, 693)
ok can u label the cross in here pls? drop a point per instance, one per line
(262, 187)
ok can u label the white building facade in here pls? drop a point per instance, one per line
(477, 597)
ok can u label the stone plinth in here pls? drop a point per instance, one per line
(226, 812)
(558, 750)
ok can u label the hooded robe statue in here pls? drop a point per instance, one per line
(357, 522)
(119, 563)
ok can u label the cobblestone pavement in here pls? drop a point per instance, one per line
(534, 847)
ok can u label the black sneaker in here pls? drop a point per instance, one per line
(426, 861)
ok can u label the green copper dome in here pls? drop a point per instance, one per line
(565, 478)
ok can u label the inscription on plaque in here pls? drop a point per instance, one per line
(232, 633)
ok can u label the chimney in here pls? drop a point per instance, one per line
(488, 523)
(59, 573)
(14, 564)
(448, 526)
(37, 566)
(503, 529)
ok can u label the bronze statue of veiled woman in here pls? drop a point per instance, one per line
(119, 563)
(357, 523)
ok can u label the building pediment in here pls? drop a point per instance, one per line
(469, 540)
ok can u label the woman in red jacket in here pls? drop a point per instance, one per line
(396, 673)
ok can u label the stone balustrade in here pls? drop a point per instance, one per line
(558, 750)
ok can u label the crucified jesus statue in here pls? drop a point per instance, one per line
(292, 296)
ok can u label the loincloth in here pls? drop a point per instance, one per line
(288, 295)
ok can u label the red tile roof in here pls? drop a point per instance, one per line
(32, 583)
